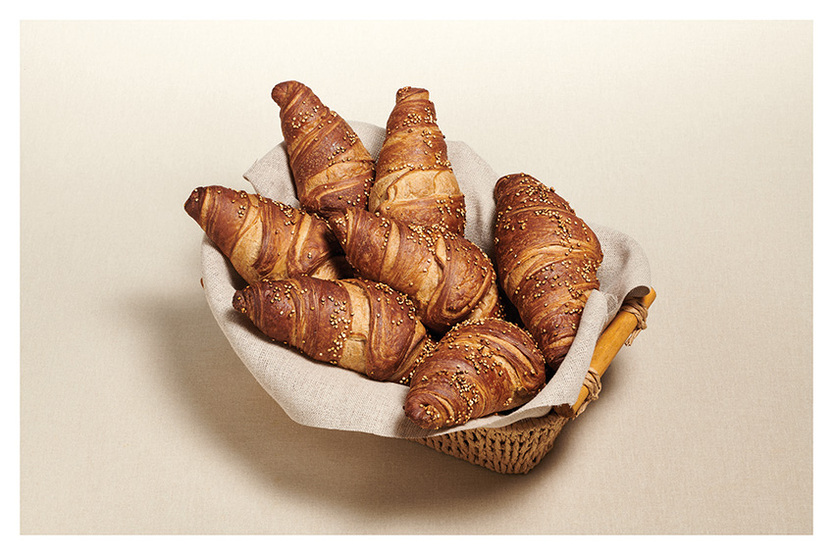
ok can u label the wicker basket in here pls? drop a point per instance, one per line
(519, 447)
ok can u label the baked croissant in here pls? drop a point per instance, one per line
(448, 277)
(414, 180)
(331, 167)
(546, 259)
(477, 369)
(352, 323)
(264, 238)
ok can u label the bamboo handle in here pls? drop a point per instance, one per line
(610, 341)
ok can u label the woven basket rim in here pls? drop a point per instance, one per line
(548, 420)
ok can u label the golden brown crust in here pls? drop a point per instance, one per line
(479, 368)
(546, 259)
(354, 323)
(414, 179)
(445, 275)
(331, 167)
(264, 238)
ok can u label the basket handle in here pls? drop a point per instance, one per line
(622, 330)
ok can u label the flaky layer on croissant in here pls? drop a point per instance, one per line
(414, 179)
(479, 368)
(353, 323)
(331, 167)
(546, 259)
(264, 238)
(448, 277)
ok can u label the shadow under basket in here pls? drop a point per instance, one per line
(519, 447)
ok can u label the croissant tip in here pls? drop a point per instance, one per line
(193, 206)
(280, 92)
(338, 223)
(422, 412)
(505, 181)
(239, 301)
(406, 92)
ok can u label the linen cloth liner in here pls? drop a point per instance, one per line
(326, 396)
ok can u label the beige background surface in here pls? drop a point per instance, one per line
(695, 138)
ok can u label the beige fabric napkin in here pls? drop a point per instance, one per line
(321, 395)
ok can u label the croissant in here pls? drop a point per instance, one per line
(353, 323)
(546, 259)
(414, 180)
(477, 369)
(331, 167)
(264, 238)
(448, 277)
